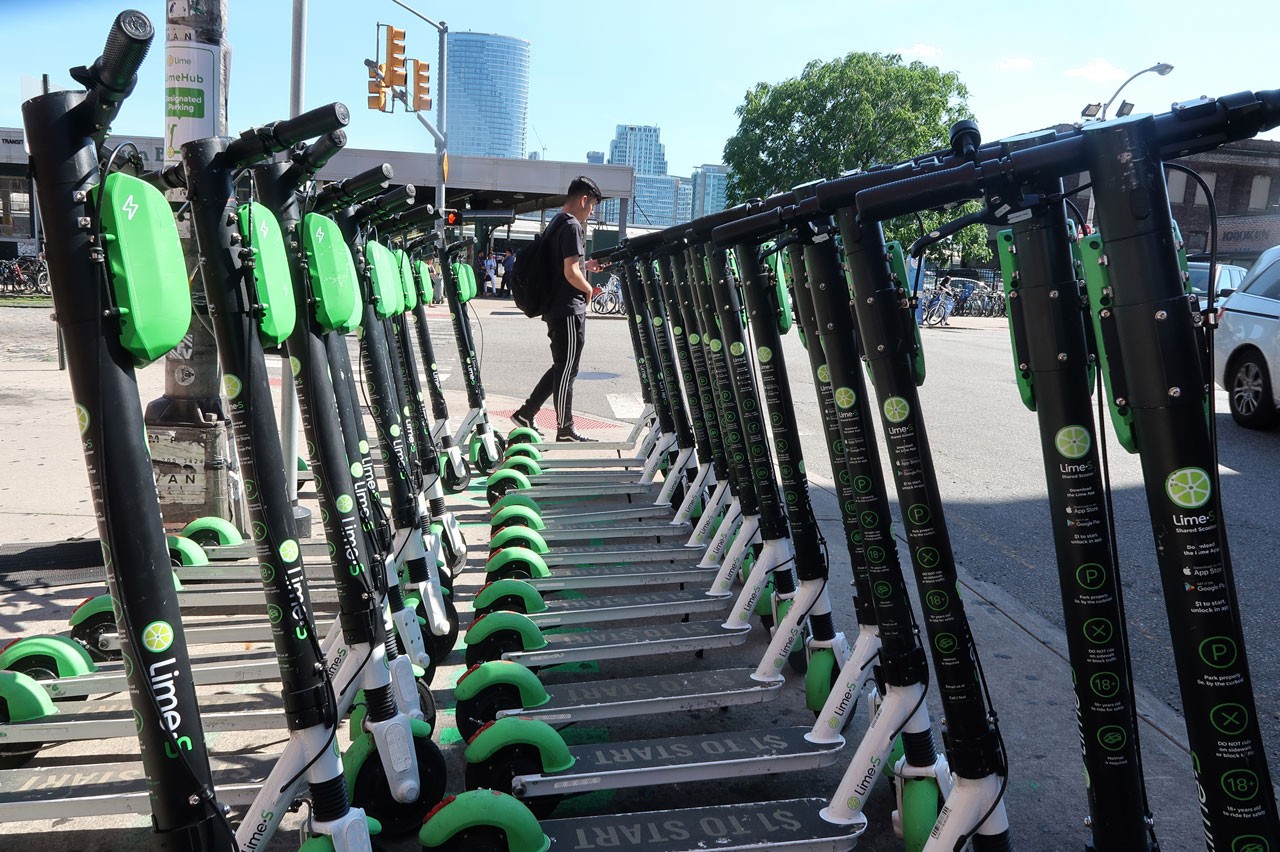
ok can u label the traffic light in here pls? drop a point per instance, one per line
(377, 90)
(453, 219)
(395, 70)
(421, 85)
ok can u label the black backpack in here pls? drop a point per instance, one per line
(531, 277)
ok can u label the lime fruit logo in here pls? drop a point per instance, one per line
(896, 409)
(677, 330)
(344, 503)
(157, 637)
(1188, 487)
(357, 470)
(289, 550)
(232, 386)
(1073, 442)
(695, 339)
(737, 348)
(364, 447)
(295, 365)
(845, 397)
(657, 322)
(82, 418)
(716, 345)
(765, 353)
(824, 373)
(394, 430)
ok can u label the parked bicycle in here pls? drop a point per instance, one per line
(608, 298)
(24, 276)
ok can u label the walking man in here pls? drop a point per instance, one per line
(566, 308)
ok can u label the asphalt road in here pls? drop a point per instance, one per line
(986, 450)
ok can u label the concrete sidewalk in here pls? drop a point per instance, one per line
(44, 495)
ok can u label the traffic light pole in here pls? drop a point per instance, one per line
(442, 134)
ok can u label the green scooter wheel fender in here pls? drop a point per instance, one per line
(524, 450)
(59, 655)
(519, 624)
(920, 798)
(516, 562)
(23, 699)
(820, 678)
(502, 672)
(503, 482)
(94, 606)
(484, 809)
(516, 515)
(516, 499)
(524, 464)
(512, 731)
(524, 537)
(212, 531)
(498, 597)
(764, 605)
(185, 552)
(523, 435)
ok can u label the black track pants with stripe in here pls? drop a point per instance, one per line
(567, 335)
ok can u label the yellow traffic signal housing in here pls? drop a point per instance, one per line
(377, 91)
(421, 85)
(395, 61)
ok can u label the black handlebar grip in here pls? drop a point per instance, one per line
(355, 189)
(602, 254)
(127, 45)
(388, 204)
(921, 192)
(312, 123)
(319, 152)
(174, 177)
(419, 214)
(749, 228)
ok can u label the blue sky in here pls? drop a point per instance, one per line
(683, 66)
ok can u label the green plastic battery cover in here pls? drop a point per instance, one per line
(271, 276)
(465, 279)
(385, 273)
(333, 274)
(425, 286)
(147, 269)
(406, 280)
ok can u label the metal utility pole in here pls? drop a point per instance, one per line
(187, 428)
(439, 132)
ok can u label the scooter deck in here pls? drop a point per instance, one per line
(793, 824)
(92, 720)
(593, 491)
(251, 667)
(614, 556)
(601, 462)
(634, 641)
(658, 531)
(103, 789)
(576, 577)
(652, 694)
(629, 512)
(671, 760)
(594, 610)
(596, 446)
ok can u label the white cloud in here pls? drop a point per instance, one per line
(920, 50)
(1015, 63)
(1098, 70)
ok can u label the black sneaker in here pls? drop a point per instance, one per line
(521, 419)
(570, 435)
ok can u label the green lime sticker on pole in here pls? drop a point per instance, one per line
(896, 409)
(157, 637)
(1073, 442)
(1188, 487)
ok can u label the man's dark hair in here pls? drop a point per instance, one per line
(583, 185)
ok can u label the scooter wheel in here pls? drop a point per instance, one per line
(454, 482)
(497, 772)
(440, 647)
(472, 714)
(485, 462)
(492, 648)
(89, 633)
(400, 819)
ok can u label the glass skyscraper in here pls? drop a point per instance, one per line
(709, 185)
(487, 112)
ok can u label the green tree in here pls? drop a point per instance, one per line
(850, 113)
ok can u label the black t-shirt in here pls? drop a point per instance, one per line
(567, 240)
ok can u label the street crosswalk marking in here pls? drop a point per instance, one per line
(626, 406)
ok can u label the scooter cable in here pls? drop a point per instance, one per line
(206, 793)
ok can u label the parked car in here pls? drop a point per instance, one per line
(1229, 278)
(1247, 344)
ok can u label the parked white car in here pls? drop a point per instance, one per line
(1247, 344)
(1229, 278)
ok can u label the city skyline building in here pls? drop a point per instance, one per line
(639, 146)
(710, 185)
(487, 114)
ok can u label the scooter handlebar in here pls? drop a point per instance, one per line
(919, 192)
(127, 44)
(354, 189)
(259, 143)
(314, 156)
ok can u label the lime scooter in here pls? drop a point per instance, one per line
(92, 278)
(1142, 322)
